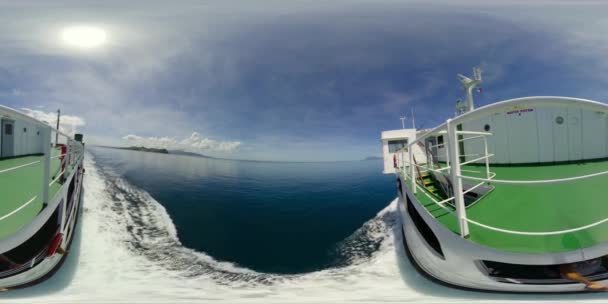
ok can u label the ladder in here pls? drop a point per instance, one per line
(425, 179)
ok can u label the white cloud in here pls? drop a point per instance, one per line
(67, 123)
(194, 143)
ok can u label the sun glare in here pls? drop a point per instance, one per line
(84, 37)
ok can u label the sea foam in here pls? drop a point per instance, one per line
(127, 250)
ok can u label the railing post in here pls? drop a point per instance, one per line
(70, 151)
(447, 153)
(485, 145)
(412, 169)
(452, 139)
(46, 164)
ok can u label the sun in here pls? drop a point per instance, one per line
(84, 37)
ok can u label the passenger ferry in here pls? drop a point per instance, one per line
(41, 174)
(503, 197)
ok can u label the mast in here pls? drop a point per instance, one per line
(468, 85)
(413, 121)
(57, 132)
(402, 122)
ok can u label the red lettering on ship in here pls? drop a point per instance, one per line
(519, 111)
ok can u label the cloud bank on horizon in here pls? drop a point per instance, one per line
(68, 124)
(194, 143)
(276, 80)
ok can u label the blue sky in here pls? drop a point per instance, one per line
(291, 80)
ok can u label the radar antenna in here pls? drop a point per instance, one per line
(402, 122)
(468, 85)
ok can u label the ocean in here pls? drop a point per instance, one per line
(161, 228)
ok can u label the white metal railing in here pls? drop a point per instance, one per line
(74, 152)
(454, 167)
(536, 182)
(539, 233)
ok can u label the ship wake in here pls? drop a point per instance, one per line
(129, 251)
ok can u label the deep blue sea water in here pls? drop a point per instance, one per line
(274, 217)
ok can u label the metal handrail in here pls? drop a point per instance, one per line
(477, 159)
(57, 178)
(58, 156)
(533, 182)
(538, 233)
(454, 164)
(439, 203)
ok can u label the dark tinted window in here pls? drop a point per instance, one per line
(534, 274)
(396, 145)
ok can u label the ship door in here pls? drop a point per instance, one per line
(7, 138)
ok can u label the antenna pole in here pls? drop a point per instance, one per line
(402, 122)
(57, 132)
(413, 121)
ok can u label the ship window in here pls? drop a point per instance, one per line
(396, 145)
(423, 228)
(486, 128)
(440, 141)
(8, 129)
(559, 120)
(24, 130)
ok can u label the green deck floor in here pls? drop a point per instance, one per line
(18, 187)
(536, 208)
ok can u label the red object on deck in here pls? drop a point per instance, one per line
(54, 244)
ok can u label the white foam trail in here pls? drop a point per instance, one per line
(103, 266)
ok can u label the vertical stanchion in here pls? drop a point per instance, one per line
(412, 169)
(485, 145)
(457, 181)
(46, 164)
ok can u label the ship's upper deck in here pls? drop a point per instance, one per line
(534, 208)
(524, 175)
(20, 188)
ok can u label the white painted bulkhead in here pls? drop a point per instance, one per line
(390, 140)
(538, 134)
(26, 137)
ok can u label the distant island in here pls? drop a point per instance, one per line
(372, 157)
(158, 150)
(186, 153)
(143, 149)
